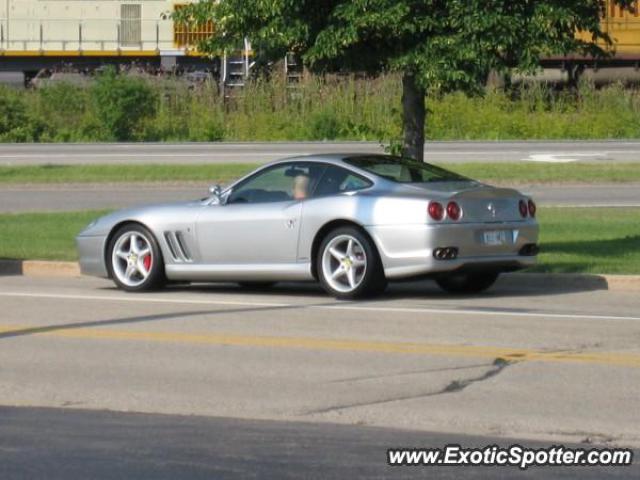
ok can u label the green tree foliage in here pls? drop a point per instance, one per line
(438, 45)
(122, 103)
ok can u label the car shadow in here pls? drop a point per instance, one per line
(508, 285)
(36, 330)
(10, 267)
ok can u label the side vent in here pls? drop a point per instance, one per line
(182, 246)
(168, 236)
(177, 246)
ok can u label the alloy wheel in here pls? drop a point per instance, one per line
(132, 258)
(344, 263)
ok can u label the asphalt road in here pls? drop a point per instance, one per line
(289, 383)
(43, 198)
(438, 152)
(551, 364)
(89, 444)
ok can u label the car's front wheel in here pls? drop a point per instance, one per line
(348, 264)
(134, 259)
(467, 282)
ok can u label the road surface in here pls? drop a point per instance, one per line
(437, 152)
(539, 364)
(90, 444)
(51, 198)
(533, 364)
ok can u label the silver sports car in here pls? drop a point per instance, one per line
(351, 222)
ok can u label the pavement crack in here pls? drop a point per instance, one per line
(497, 367)
(408, 373)
(499, 364)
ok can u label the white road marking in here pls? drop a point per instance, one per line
(126, 155)
(561, 157)
(230, 154)
(346, 307)
(141, 298)
(506, 313)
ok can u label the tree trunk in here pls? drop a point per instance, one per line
(413, 117)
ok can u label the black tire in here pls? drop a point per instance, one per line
(257, 285)
(460, 283)
(156, 276)
(373, 282)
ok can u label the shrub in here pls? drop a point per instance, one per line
(324, 126)
(16, 122)
(121, 107)
(123, 103)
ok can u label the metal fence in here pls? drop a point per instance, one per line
(70, 35)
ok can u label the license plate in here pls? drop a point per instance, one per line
(495, 237)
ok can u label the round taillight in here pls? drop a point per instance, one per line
(523, 208)
(436, 211)
(453, 211)
(532, 208)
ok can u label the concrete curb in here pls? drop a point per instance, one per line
(570, 281)
(39, 268)
(537, 281)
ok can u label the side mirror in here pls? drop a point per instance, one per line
(215, 191)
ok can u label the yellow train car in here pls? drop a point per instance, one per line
(622, 64)
(624, 28)
(35, 34)
(40, 34)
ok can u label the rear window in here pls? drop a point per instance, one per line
(338, 180)
(404, 170)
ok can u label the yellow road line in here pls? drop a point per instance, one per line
(510, 354)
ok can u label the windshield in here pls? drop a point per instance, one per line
(404, 170)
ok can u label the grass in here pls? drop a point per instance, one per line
(319, 108)
(42, 236)
(586, 240)
(513, 173)
(122, 173)
(590, 240)
(531, 172)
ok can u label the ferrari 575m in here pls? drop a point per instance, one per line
(351, 222)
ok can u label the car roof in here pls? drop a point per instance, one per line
(334, 158)
(330, 158)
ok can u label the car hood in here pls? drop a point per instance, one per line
(141, 213)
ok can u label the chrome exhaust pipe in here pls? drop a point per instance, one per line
(445, 253)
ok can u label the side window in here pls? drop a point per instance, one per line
(337, 180)
(291, 181)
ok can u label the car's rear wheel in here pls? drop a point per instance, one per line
(348, 264)
(134, 259)
(467, 282)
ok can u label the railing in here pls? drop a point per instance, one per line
(102, 35)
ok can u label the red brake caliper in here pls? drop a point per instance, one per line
(146, 261)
